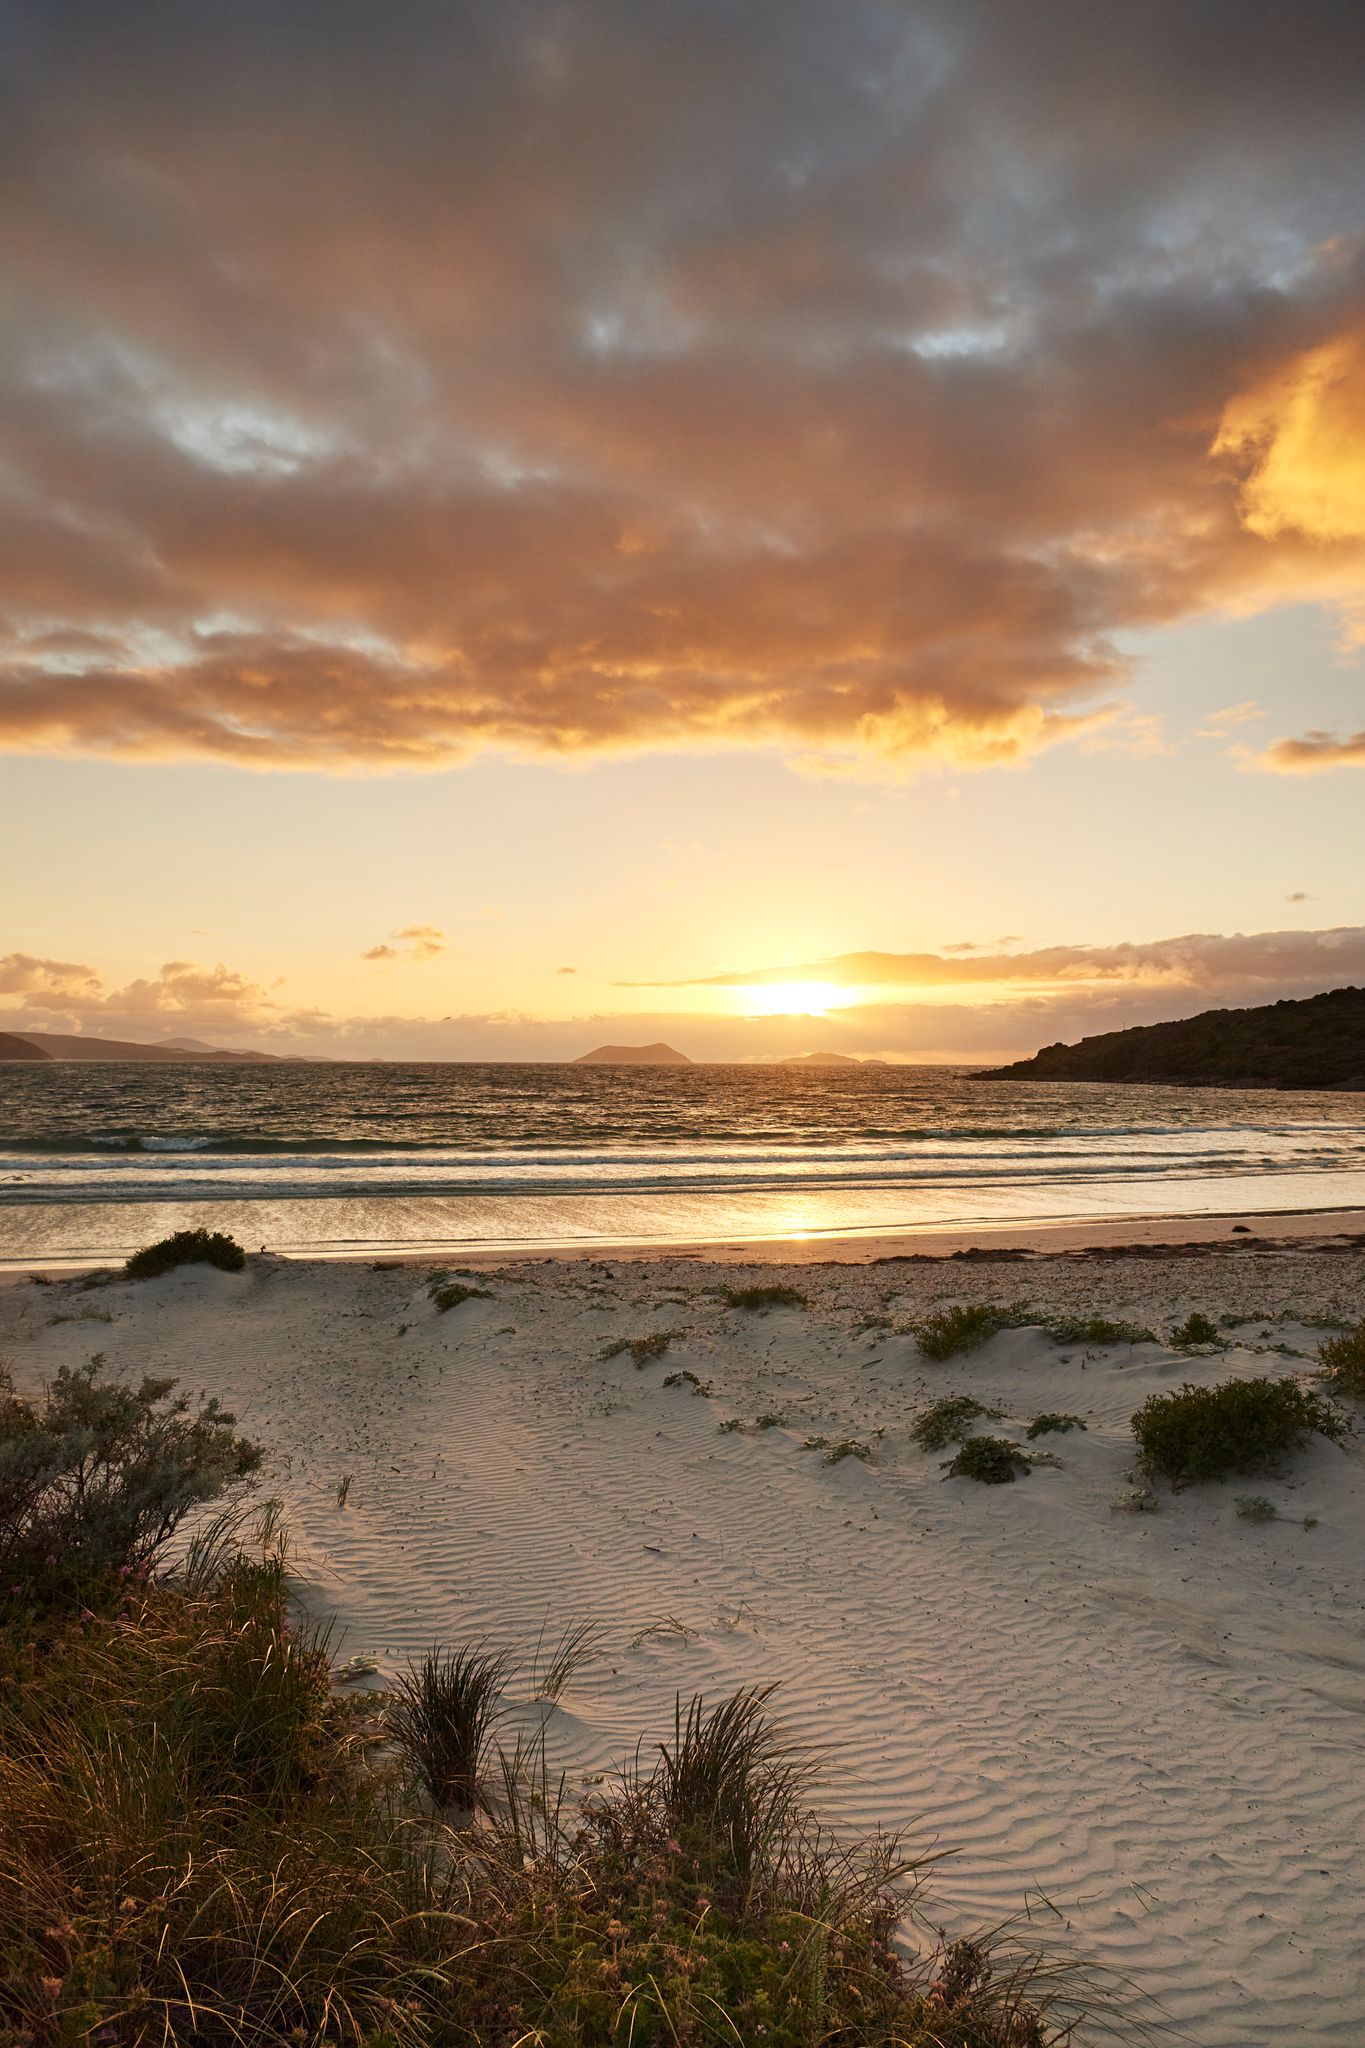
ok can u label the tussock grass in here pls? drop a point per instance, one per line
(688, 1379)
(848, 1447)
(186, 1248)
(1196, 1329)
(200, 1842)
(442, 1716)
(1342, 1359)
(759, 1298)
(953, 1330)
(555, 1660)
(1241, 1426)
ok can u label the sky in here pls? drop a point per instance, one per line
(773, 526)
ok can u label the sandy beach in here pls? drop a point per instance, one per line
(1141, 1730)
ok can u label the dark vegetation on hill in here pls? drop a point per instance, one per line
(1316, 1043)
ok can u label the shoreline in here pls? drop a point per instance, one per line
(1235, 1230)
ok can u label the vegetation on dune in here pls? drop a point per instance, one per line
(994, 1460)
(951, 1330)
(1240, 1426)
(1096, 1330)
(203, 1842)
(968, 1325)
(948, 1421)
(687, 1379)
(640, 1349)
(1195, 1330)
(1342, 1359)
(96, 1478)
(447, 1294)
(186, 1248)
(1048, 1423)
(759, 1298)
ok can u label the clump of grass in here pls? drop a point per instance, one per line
(1241, 1426)
(1096, 1330)
(641, 1349)
(758, 1298)
(994, 1460)
(442, 1717)
(1195, 1330)
(1047, 1423)
(771, 1422)
(186, 1248)
(684, 1378)
(1254, 1507)
(82, 1315)
(848, 1447)
(948, 1421)
(815, 1443)
(344, 1485)
(731, 1427)
(448, 1294)
(1342, 1359)
(729, 1785)
(952, 1330)
(554, 1663)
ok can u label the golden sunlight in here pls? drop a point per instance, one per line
(795, 999)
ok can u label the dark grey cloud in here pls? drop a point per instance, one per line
(383, 384)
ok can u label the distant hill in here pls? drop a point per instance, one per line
(633, 1056)
(12, 1048)
(68, 1045)
(1316, 1043)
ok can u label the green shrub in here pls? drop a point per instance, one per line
(448, 1294)
(1240, 1426)
(763, 1297)
(1342, 1359)
(948, 1421)
(1196, 1329)
(186, 1248)
(442, 1716)
(687, 1379)
(1046, 1424)
(848, 1447)
(951, 1330)
(1096, 1330)
(97, 1477)
(994, 1460)
(1254, 1507)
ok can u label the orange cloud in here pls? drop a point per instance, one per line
(423, 942)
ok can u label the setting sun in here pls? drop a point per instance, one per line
(795, 999)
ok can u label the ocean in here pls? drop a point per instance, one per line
(336, 1158)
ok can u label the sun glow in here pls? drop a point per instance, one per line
(795, 999)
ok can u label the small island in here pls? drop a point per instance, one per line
(1318, 1042)
(818, 1059)
(658, 1055)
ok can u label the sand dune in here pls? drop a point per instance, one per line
(1145, 1730)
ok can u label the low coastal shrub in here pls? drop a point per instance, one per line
(687, 1379)
(951, 1330)
(1096, 1330)
(1342, 1359)
(186, 1248)
(848, 1447)
(994, 1460)
(758, 1298)
(1047, 1424)
(97, 1476)
(448, 1294)
(442, 1716)
(1241, 1426)
(1195, 1330)
(640, 1349)
(948, 1421)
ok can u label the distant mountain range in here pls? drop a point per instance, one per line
(68, 1045)
(1316, 1043)
(658, 1055)
(825, 1059)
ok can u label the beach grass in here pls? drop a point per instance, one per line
(1342, 1359)
(442, 1715)
(755, 1300)
(186, 1248)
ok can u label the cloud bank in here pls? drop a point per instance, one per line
(385, 385)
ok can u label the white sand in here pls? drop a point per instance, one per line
(1150, 1723)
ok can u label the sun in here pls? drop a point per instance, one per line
(795, 999)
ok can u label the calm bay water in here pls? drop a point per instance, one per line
(97, 1159)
